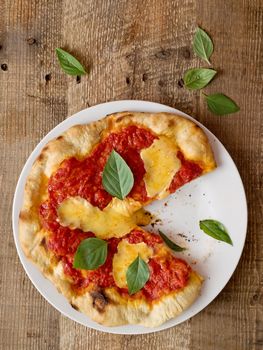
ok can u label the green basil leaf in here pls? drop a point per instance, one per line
(216, 230)
(203, 45)
(137, 275)
(170, 243)
(69, 63)
(91, 254)
(117, 177)
(198, 78)
(220, 104)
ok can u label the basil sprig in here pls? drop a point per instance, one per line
(220, 104)
(198, 78)
(170, 243)
(203, 45)
(216, 230)
(117, 177)
(137, 275)
(69, 63)
(91, 254)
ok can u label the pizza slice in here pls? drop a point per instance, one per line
(172, 285)
(66, 203)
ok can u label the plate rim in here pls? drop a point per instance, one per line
(35, 152)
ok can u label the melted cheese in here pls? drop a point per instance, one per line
(116, 220)
(125, 207)
(126, 254)
(161, 164)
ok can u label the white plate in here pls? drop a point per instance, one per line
(219, 195)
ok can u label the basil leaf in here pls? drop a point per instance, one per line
(198, 78)
(137, 275)
(69, 63)
(117, 177)
(220, 104)
(203, 45)
(170, 244)
(216, 230)
(91, 254)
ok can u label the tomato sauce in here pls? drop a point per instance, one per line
(166, 275)
(138, 236)
(188, 171)
(83, 178)
(102, 277)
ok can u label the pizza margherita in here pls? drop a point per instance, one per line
(66, 204)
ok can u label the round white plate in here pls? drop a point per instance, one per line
(218, 195)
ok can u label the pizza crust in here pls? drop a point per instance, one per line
(189, 137)
(78, 141)
(107, 307)
(113, 310)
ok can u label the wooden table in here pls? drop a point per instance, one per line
(133, 50)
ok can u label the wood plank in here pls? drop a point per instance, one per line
(238, 56)
(29, 107)
(133, 50)
(74, 337)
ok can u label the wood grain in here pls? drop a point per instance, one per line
(133, 50)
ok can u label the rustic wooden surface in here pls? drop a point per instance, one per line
(134, 50)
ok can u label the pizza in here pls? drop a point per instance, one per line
(65, 204)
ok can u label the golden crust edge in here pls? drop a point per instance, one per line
(120, 312)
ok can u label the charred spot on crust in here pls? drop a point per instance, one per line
(45, 148)
(195, 128)
(99, 300)
(43, 243)
(23, 215)
(74, 306)
(60, 137)
(171, 123)
(40, 157)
